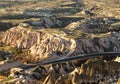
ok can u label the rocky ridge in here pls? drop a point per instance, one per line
(44, 43)
(40, 43)
(50, 44)
(89, 72)
(84, 27)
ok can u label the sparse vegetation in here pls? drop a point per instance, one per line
(11, 49)
(6, 79)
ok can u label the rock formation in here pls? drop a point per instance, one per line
(42, 44)
(46, 23)
(92, 71)
(29, 49)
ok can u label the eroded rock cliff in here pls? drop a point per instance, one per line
(40, 43)
(83, 38)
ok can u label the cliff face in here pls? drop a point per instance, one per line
(96, 45)
(43, 44)
(40, 43)
(110, 42)
(100, 35)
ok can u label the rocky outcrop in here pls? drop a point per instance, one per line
(25, 76)
(91, 71)
(46, 23)
(103, 35)
(97, 71)
(95, 25)
(40, 43)
(96, 45)
(54, 45)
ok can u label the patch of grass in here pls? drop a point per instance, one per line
(6, 80)
(12, 49)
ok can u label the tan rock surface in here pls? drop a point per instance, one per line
(39, 42)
